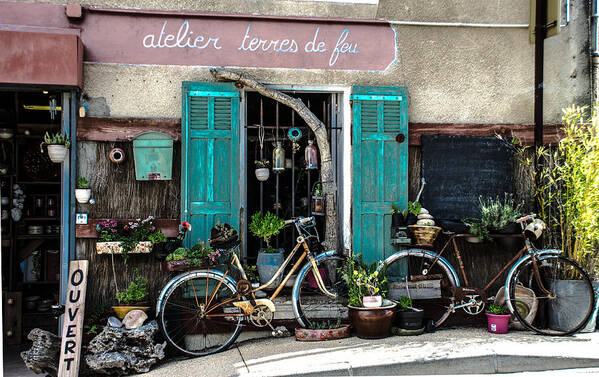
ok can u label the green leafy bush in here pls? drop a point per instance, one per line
(135, 292)
(179, 254)
(157, 237)
(266, 226)
(82, 183)
(497, 309)
(325, 325)
(405, 303)
(497, 213)
(57, 138)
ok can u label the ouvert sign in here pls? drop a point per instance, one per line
(72, 329)
(112, 35)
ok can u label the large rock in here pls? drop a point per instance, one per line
(134, 319)
(118, 351)
(42, 357)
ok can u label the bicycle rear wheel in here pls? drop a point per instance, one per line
(428, 280)
(565, 308)
(197, 315)
(310, 304)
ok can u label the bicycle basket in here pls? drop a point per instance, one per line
(424, 235)
(227, 254)
(535, 229)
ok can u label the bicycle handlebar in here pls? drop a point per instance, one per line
(526, 218)
(300, 221)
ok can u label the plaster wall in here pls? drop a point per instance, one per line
(454, 74)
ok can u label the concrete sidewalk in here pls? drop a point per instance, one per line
(448, 351)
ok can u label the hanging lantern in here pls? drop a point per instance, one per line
(278, 158)
(311, 156)
(317, 199)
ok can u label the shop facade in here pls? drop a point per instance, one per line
(377, 74)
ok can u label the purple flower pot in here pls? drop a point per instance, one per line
(498, 323)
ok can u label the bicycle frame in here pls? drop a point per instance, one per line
(248, 306)
(528, 247)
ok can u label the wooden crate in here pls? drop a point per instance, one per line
(425, 289)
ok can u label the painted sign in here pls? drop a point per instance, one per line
(72, 329)
(130, 37)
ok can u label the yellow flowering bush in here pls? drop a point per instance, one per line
(363, 280)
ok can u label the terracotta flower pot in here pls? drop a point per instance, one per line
(372, 323)
(310, 335)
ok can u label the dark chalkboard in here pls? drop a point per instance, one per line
(459, 169)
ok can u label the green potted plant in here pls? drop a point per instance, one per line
(58, 145)
(262, 172)
(82, 192)
(270, 259)
(134, 297)
(498, 319)
(498, 216)
(408, 317)
(323, 330)
(364, 283)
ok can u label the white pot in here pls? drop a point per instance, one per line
(57, 152)
(372, 301)
(262, 174)
(83, 195)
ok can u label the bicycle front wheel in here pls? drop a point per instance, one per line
(426, 278)
(197, 315)
(310, 304)
(563, 295)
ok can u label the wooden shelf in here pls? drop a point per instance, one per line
(38, 236)
(38, 183)
(41, 282)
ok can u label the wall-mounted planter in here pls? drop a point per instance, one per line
(143, 247)
(153, 154)
(83, 195)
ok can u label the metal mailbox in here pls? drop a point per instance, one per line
(153, 153)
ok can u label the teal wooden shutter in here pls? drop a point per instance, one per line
(380, 166)
(210, 157)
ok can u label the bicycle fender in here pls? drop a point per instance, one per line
(539, 254)
(216, 273)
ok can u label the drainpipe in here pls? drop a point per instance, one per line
(594, 51)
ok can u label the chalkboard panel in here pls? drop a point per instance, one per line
(459, 169)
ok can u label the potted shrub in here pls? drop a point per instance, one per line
(199, 255)
(364, 284)
(408, 317)
(498, 319)
(270, 259)
(134, 297)
(58, 145)
(262, 172)
(399, 217)
(82, 192)
(325, 330)
(499, 216)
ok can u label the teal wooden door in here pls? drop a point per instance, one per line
(210, 157)
(380, 166)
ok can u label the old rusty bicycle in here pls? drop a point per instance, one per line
(561, 287)
(203, 311)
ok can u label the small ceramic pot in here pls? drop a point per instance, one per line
(372, 301)
(83, 195)
(57, 153)
(262, 174)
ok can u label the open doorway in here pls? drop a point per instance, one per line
(287, 192)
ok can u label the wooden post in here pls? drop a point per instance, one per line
(72, 330)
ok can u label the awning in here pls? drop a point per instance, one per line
(40, 58)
